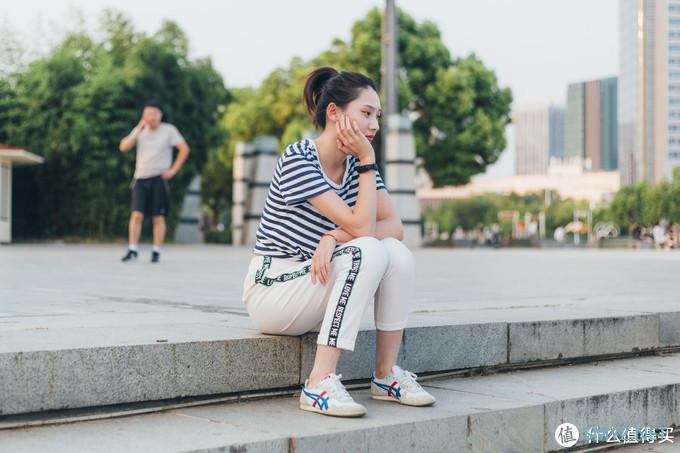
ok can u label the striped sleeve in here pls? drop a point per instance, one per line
(379, 184)
(300, 179)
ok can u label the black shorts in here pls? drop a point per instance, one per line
(150, 196)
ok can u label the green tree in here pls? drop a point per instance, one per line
(462, 129)
(627, 205)
(74, 105)
(674, 197)
(461, 111)
(483, 209)
(656, 202)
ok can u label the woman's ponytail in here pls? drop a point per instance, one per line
(313, 89)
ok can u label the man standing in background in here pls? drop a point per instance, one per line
(154, 168)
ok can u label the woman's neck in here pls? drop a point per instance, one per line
(332, 159)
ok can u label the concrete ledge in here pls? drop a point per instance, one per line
(569, 338)
(669, 328)
(516, 411)
(38, 381)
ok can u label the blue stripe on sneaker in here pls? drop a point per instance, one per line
(320, 400)
(390, 389)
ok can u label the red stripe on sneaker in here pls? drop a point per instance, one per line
(322, 394)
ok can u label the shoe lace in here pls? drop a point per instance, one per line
(409, 381)
(337, 390)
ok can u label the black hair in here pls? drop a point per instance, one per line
(325, 85)
(153, 104)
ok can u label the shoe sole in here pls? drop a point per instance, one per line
(333, 414)
(396, 400)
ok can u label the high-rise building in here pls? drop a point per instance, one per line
(649, 89)
(591, 123)
(574, 136)
(609, 125)
(539, 135)
(556, 120)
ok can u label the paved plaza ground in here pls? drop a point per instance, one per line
(56, 296)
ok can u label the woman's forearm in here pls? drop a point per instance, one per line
(365, 207)
(387, 228)
(341, 236)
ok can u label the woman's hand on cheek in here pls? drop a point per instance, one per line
(341, 140)
(353, 141)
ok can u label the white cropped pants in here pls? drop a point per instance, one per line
(281, 299)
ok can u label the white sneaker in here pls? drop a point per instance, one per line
(330, 397)
(400, 386)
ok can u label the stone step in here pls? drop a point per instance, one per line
(517, 411)
(666, 447)
(117, 366)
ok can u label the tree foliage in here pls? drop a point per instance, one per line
(645, 204)
(483, 210)
(73, 106)
(461, 111)
(641, 204)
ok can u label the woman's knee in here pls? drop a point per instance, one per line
(400, 256)
(372, 252)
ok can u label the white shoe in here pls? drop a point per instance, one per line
(400, 386)
(330, 397)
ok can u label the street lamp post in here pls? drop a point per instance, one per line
(389, 59)
(398, 144)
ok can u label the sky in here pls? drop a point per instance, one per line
(536, 47)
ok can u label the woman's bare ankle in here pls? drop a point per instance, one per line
(382, 371)
(316, 377)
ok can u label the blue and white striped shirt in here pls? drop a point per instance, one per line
(290, 227)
